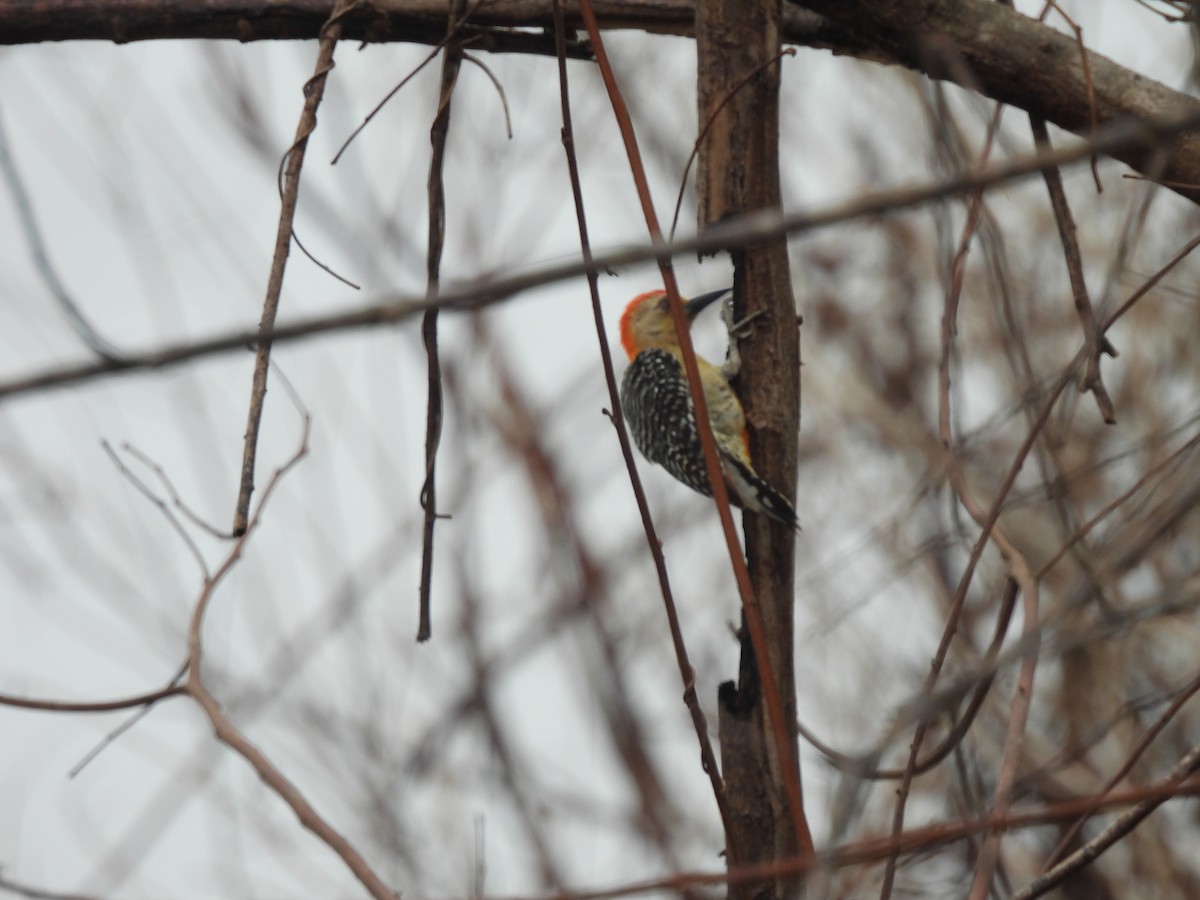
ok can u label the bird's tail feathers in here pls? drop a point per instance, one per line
(749, 491)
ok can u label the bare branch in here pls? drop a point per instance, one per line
(96, 706)
(737, 232)
(1010, 57)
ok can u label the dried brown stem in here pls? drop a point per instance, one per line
(438, 133)
(1018, 718)
(293, 161)
(289, 793)
(224, 730)
(1094, 340)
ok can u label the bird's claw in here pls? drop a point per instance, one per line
(737, 331)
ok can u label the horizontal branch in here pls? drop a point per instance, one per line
(982, 45)
(380, 21)
(925, 838)
(731, 234)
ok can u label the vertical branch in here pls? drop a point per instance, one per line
(438, 133)
(782, 729)
(738, 47)
(293, 162)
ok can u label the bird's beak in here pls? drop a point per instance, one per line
(694, 306)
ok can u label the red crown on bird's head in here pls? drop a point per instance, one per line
(627, 337)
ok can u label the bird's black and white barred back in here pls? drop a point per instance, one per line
(658, 407)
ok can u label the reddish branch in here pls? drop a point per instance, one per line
(916, 840)
(708, 759)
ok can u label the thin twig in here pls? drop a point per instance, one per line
(1094, 338)
(289, 794)
(41, 256)
(1086, 65)
(176, 501)
(456, 24)
(439, 132)
(195, 628)
(1018, 718)
(108, 739)
(161, 504)
(1149, 284)
(729, 95)
(314, 89)
(499, 90)
(94, 706)
(224, 729)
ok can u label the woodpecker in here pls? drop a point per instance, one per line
(658, 406)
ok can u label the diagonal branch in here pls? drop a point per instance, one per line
(740, 231)
(1121, 826)
(314, 90)
(1095, 342)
